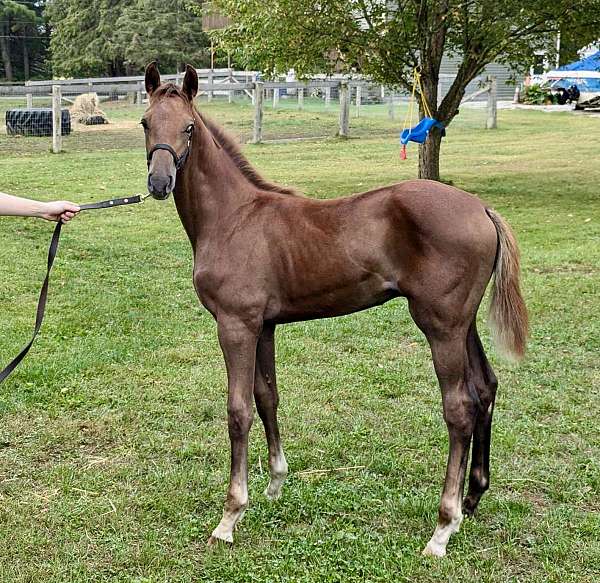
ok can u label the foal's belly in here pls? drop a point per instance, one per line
(330, 303)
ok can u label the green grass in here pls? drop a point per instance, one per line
(114, 453)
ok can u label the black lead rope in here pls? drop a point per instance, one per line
(41, 308)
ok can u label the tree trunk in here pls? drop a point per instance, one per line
(429, 156)
(25, 59)
(5, 50)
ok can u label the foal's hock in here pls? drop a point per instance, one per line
(265, 255)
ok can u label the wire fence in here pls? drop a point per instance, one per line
(104, 114)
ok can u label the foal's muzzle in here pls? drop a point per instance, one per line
(160, 186)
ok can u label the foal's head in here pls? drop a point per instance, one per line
(169, 124)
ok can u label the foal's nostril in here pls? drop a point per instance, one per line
(159, 185)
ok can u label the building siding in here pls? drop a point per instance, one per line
(506, 78)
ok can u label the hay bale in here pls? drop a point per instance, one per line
(85, 110)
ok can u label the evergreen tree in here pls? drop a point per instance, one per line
(163, 31)
(23, 37)
(119, 37)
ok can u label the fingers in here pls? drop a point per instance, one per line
(69, 211)
(70, 207)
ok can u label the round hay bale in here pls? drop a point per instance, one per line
(85, 110)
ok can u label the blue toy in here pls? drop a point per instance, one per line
(419, 132)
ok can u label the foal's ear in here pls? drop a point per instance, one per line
(152, 78)
(190, 82)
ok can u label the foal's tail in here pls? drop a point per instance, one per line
(507, 315)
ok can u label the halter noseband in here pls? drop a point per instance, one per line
(178, 160)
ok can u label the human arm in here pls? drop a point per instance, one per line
(23, 207)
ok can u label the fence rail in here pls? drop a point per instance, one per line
(227, 82)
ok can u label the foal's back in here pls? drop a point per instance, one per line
(329, 257)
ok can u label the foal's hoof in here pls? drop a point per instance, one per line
(272, 493)
(434, 550)
(469, 506)
(214, 542)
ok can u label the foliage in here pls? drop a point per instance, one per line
(111, 37)
(386, 40)
(113, 441)
(537, 95)
(573, 40)
(163, 31)
(23, 38)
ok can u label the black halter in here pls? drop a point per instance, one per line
(178, 160)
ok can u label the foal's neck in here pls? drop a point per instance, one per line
(211, 186)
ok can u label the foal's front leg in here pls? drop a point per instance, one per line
(238, 341)
(267, 399)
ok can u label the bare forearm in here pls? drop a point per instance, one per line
(21, 207)
(56, 210)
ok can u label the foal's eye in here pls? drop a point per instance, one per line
(189, 129)
(144, 124)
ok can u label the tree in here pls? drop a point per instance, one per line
(83, 37)
(164, 31)
(112, 37)
(387, 39)
(573, 40)
(19, 25)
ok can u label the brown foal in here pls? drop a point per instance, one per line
(265, 255)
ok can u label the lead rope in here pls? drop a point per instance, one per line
(409, 114)
(52, 250)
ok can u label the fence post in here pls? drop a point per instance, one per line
(358, 99)
(28, 97)
(492, 104)
(209, 94)
(138, 98)
(56, 120)
(327, 96)
(344, 110)
(231, 91)
(391, 105)
(300, 97)
(258, 111)
(254, 90)
(275, 97)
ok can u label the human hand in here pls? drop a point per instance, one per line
(59, 210)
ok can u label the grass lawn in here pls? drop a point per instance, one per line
(113, 439)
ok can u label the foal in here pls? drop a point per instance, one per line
(264, 255)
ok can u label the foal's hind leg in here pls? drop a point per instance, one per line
(267, 400)
(448, 348)
(485, 383)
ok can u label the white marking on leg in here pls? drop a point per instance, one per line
(279, 469)
(235, 507)
(436, 547)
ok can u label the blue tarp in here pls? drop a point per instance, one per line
(591, 63)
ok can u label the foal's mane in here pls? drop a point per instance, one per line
(228, 144)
